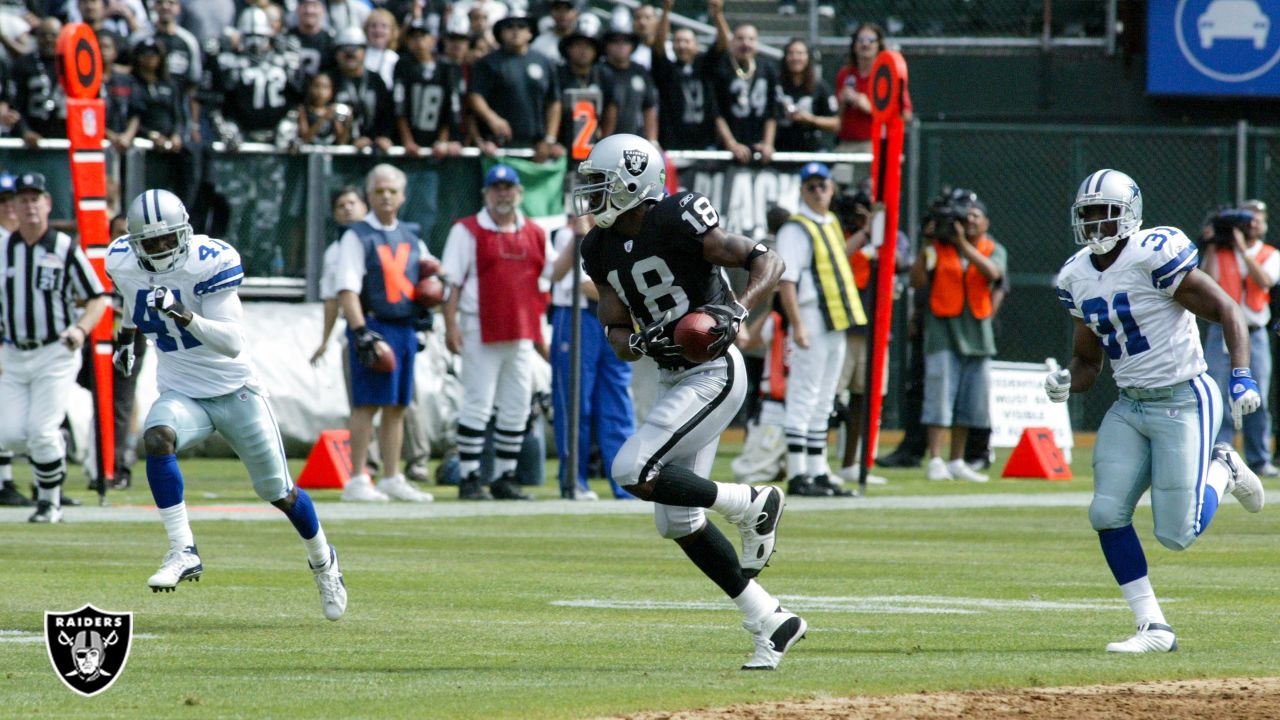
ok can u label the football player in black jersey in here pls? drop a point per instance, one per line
(655, 259)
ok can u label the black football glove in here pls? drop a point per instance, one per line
(366, 339)
(651, 342)
(162, 299)
(123, 358)
(728, 320)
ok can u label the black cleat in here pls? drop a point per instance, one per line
(803, 486)
(470, 488)
(508, 488)
(823, 482)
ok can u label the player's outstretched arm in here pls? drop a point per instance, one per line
(764, 265)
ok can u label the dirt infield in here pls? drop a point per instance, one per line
(1231, 699)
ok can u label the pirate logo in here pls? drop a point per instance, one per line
(636, 161)
(88, 647)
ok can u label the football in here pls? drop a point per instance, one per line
(428, 266)
(694, 335)
(385, 359)
(429, 292)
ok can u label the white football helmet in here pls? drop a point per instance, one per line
(621, 172)
(255, 30)
(159, 231)
(1120, 194)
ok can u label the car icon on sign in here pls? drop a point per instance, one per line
(1233, 20)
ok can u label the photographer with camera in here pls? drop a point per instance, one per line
(1247, 268)
(960, 265)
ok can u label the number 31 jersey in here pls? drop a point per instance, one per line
(1151, 339)
(184, 364)
(661, 269)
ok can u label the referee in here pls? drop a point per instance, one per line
(45, 272)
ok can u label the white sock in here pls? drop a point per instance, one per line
(53, 494)
(1142, 600)
(317, 549)
(732, 500)
(816, 464)
(755, 602)
(1219, 477)
(176, 525)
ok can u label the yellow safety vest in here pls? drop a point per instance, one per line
(832, 277)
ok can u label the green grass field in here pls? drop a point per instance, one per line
(578, 616)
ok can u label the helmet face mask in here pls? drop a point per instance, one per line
(159, 231)
(1108, 209)
(621, 172)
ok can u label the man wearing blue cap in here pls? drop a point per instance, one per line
(493, 262)
(821, 302)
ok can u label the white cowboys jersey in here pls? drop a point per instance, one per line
(184, 364)
(1152, 340)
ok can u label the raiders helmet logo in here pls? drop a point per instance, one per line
(88, 647)
(636, 161)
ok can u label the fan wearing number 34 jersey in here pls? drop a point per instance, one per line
(654, 259)
(1134, 295)
(180, 291)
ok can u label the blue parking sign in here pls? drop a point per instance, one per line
(1213, 47)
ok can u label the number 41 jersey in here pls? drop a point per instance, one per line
(662, 267)
(184, 364)
(1152, 340)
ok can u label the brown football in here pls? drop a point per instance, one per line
(429, 292)
(386, 360)
(693, 333)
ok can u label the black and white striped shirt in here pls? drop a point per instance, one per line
(42, 283)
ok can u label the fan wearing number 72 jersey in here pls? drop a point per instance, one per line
(180, 291)
(1134, 295)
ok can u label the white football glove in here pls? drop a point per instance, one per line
(162, 300)
(1057, 385)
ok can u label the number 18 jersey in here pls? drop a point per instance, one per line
(183, 364)
(1151, 339)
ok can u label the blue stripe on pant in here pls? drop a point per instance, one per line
(1257, 425)
(605, 402)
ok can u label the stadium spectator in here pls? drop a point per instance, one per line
(123, 18)
(162, 104)
(47, 274)
(514, 95)
(207, 19)
(120, 93)
(686, 116)
(788, 7)
(746, 93)
(564, 21)
(1246, 268)
(345, 14)
(38, 97)
(853, 88)
(605, 413)
(581, 78)
(960, 266)
(426, 97)
(493, 262)
(373, 112)
(183, 56)
(321, 121)
(820, 300)
(247, 110)
(382, 34)
(457, 48)
(631, 100)
(808, 119)
(644, 24)
(378, 259)
(314, 41)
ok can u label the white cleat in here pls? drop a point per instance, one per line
(960, 470)
(1152, 637)
(758, 527)
(1244, 485)
(333, 591)
(937, 470)
(774, 636)
(585, 495)
(179, 564)
(397, 488)
(360, 489)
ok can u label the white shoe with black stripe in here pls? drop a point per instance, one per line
(1151, 637)
(1244, 486)
(758, 527)
(774, 636)
(179, 564)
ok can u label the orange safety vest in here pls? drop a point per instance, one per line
(953, 285)
(861, 266)
(1255, 296)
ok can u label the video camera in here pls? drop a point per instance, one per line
(1225, 221)
(944, 212)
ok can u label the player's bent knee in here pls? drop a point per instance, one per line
(272, 490)
(1106, 514)
(626, 466)
(674, 528)
(1178, 541)
(160, 440)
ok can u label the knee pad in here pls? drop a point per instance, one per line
(47, 448)
(1107, 513)
(270, 489)
(627, 465)
(674, 523)
(1177, 541)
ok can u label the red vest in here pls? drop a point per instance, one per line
(953, 286)
(1255, 296)
(508, 265)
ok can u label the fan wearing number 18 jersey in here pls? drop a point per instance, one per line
(655, 259)
(1134, 295)
(180, 291)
